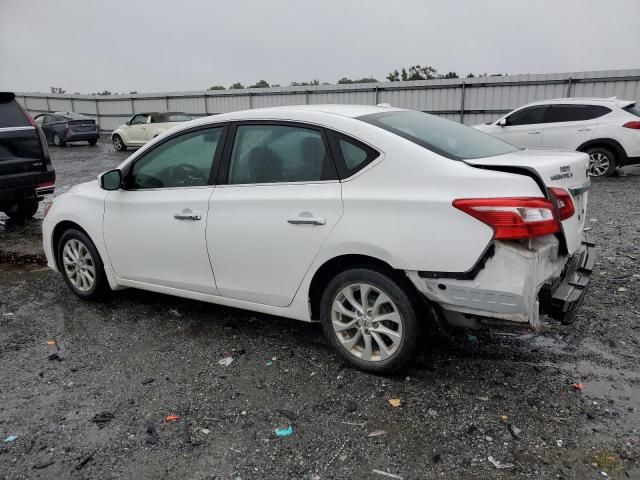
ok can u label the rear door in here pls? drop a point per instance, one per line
(524, 127)
(568, 126)
(277, 201)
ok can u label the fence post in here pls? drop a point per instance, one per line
(377, 95)
(97, 112)
(166, 102)
(250, 101)
(133, 107)
(306, 97)
(47, 100)
(72, 107)
(206, 109)
(462, 103)
(569, 82)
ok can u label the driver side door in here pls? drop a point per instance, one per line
(154, 227)
(524, 128)
(137, 131)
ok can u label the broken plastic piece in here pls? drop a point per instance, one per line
(172, 418)
(578, 387)
(284, 432)
(10, 438)
(497, 464)
(225, 362)
(394, 402)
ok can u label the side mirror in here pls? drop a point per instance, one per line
(127, 123)
(111, 180)
(503, 122)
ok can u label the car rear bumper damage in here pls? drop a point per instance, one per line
(518, 284)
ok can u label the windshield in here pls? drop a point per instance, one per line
(444, 137)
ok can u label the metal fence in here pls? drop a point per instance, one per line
(467, 100)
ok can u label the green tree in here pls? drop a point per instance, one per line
(471, 75)
(236, 86)
(305, 84)
(260, 84)
(344, 80)
(393, 76)
(449, 75)
(217, 87)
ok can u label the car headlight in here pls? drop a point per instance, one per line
(47, 207)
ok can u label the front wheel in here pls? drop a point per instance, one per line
(57, 141)
(602, 162)
(118, 144)
(81, 266)
(370, 318)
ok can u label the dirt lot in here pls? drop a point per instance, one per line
(86, 387)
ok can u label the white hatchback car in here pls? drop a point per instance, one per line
(143, 127)
(373, 221)
(607, 129)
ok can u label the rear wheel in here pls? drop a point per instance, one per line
(370, 318)
(57, 141)
(118, 144)
(602, 162)
(81, 266)
(93, 141)
(23, 210)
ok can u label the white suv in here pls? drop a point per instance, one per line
(607, 129)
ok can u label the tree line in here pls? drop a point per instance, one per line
(414, 72)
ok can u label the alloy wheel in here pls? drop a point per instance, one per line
(366, 322)
(117, 143)
(56, 140)
(598, 164)
(79, 265)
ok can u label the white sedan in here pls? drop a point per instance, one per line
(374, 221)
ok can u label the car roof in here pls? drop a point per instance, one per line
(335, 109)
(611, 101)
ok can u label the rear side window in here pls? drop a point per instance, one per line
(633, 109)
(349, 154)
(599, 111)
(277, 154)
(528, 116)
(572, 113)
(11, 115)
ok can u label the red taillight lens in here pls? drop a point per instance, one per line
(634, 124)
(562, 201)
(512, 218)
(45, 185)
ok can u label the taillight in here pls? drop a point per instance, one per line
(562, 201)
(42, 185)
(513, 218)
(634, 124)
(66, 126)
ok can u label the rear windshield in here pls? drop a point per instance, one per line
(11, 115)
(444, 137)
(21, 144)
(633, 109)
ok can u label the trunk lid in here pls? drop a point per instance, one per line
(551, 168)
(82, 125)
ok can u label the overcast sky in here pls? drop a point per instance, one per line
(174, 45)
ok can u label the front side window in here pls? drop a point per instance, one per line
(139, 120)
(182, 161)
(528, 116)
(278, 153)
(444, 137)
(570, 113)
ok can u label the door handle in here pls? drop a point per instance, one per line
(187, 216)
(307, 221)
(584, 129)
(535, 133)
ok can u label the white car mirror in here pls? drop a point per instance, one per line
(503, 122)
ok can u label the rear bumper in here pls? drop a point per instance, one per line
(17, 187)
(515, 286)
(80, 136)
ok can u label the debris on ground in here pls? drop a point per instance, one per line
(333, 459)
(351, 406)
(175, 312)
(432, 413)
(497, 464)
(50, 342)
(269, 363)
(147, 381)
(395, 402)
(43, 465)
(84, 461)
(172, 417)
(387, 474)
(55, 356)
(225, 362)
(10, 438)
(205, 431)
(355, 424)
(578, 387)
(437, 455)
(285, 413)
(152, 433)
(514, 431)
(376, 433)
(284, 431)
(101, 419)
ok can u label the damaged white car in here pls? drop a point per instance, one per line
(372, 220)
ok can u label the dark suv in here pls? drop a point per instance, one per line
(26, 174)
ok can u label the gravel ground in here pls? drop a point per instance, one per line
(85, 387)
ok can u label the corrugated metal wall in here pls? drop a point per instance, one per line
(470, 100)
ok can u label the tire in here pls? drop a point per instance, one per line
(73, 245)
(23, 211)
(93, 141)
(57, 141)
(118, 143)
(400, 319)
(602, 162)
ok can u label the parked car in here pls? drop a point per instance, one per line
(26, 174)
(371, 220)
(607, 129)
(61, 128)
(142, 127)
